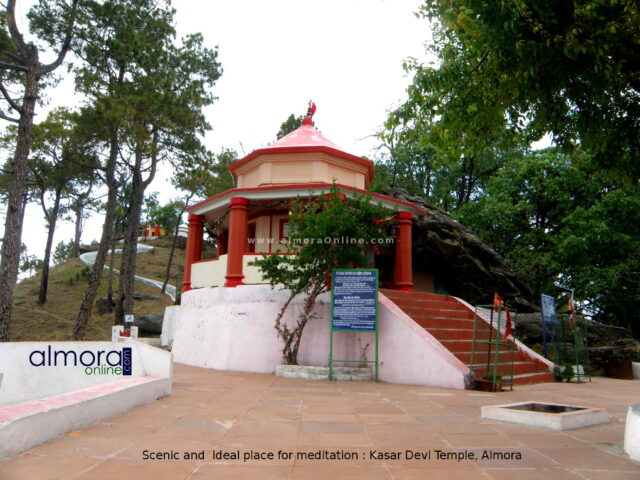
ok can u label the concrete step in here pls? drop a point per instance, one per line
(413, 295)
(452, 324)
(458, 333)
(437, 313)
(538, 377)
(416, 303)
(504, 369)
(430, 322)
(480, 357)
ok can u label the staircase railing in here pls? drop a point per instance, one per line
(491, 379)
(572, 333)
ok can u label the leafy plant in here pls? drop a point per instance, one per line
(331, 231)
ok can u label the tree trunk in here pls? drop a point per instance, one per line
(124, 303)
(173, 249)
(82, 320)
(13, 220)
(79, 211)
(110, 288)
(51, 221)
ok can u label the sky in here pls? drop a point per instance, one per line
(345, 55)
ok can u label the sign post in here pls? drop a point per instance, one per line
(548, 304)
(354, 308)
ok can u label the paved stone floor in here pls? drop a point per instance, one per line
(228, 412)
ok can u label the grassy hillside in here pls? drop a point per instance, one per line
(67, 282)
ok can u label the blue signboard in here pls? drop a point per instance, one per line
(548, 304)
(354, 300)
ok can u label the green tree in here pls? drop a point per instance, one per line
(64, 251)
(522, 210)
(568, 68)
(600, 254)
(199, 176)
(20, 68)
(149, 92)
(308, 272)
(59, 162)
(28, 263)
(292, 123)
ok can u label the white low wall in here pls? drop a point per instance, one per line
(40, 403)
(233, 329)
(209, 273)
(23, 381)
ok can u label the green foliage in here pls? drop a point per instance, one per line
(28, 263)
(559, 226)
(63, 252)
(568, 68)
(600, 249)
(327, 233)
(289, 125)
(167, 215)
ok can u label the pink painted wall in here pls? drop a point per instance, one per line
(232, 329)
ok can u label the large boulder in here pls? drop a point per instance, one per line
(461, 264)
(610, 348)
(150, 323)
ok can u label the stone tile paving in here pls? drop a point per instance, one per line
(229, 412)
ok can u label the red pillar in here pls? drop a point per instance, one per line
(403, 267)
(238, 218)
(194, 248)
(222, 243)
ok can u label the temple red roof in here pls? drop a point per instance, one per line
(304, 139)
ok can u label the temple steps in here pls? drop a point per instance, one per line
(451, 322)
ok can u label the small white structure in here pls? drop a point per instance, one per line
(547, 415)
(51, 388)
(632, 433)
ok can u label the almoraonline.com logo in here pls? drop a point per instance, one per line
(100, 362)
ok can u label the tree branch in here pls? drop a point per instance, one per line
(12, 66)
(9, 119)
(10, 100)
(65, 45)
(16, 36)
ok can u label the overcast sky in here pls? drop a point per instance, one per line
(277, 55)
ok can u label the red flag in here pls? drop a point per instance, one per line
(572, 311)
(499, 302)
(313, 109)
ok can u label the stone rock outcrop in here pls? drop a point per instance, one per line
(460, 263)
(609, 347)
(150, 323)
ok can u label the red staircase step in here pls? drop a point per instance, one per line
(452, 324)
(481, 357)
(438, 313)
(453, 333)
(504, 369)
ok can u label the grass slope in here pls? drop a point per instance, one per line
(67, 282)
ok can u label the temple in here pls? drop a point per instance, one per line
(227, 312)
(252, 218)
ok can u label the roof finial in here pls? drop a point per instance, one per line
(308, 120)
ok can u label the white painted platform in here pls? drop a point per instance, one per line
(233, 329)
